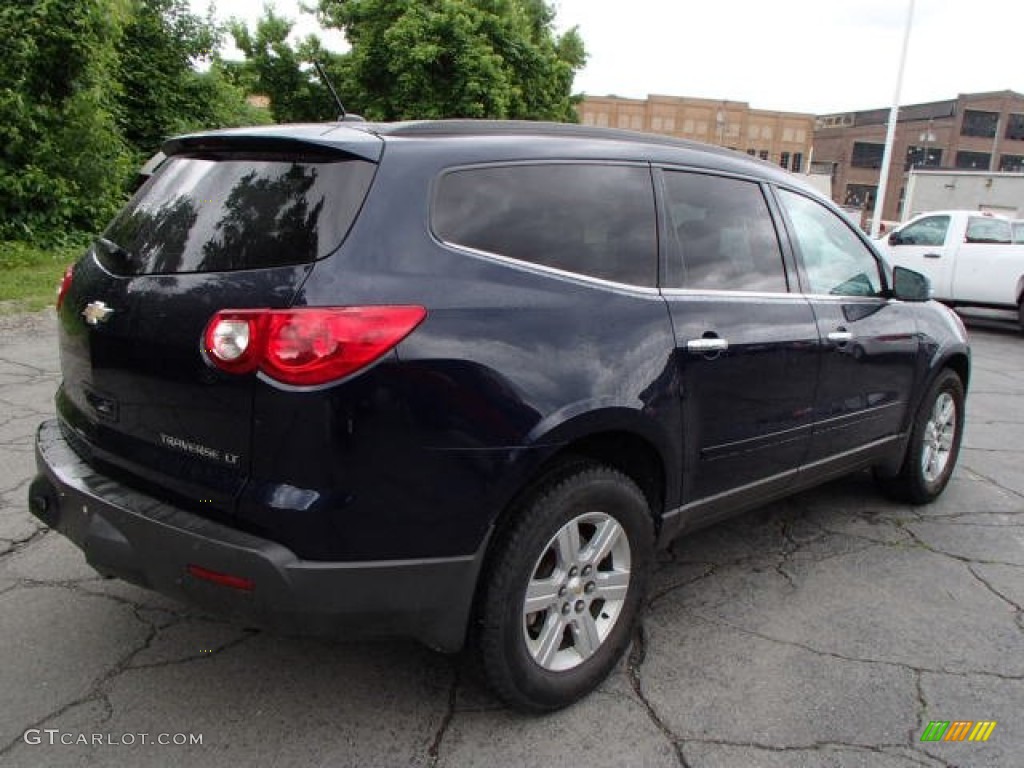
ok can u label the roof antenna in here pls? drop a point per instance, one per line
(343, 116)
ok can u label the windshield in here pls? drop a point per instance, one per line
(211, 213)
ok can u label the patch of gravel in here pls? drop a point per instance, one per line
(27, 322)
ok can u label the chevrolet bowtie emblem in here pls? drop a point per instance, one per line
(96, 312)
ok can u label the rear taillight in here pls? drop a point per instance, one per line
(306, 346)
(65, 283)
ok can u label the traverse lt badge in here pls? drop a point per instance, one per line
(96, 312)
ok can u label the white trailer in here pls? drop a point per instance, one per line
(940, 190)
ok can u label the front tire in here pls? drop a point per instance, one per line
(565, 588)
(934, 444)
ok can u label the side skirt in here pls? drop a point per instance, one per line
(704, 512)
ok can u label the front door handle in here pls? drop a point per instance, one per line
(840, 337)
(933, 255)
(704, 346)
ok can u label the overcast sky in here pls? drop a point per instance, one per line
(814, 56)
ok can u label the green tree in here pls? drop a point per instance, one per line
(162, 93)
(275, 69)
(63, 160)
(457, 58)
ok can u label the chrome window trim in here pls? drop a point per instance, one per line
(572, 277)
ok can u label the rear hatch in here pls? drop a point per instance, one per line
(230, 220)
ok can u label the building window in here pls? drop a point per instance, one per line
(763, 154)
(1012, 163)
(860, 195)
(867, 154)
(784, 160)
(752, 152)
(979, 160)
(1015, 127)
(798, 162)
(981, 124)
(920, 157)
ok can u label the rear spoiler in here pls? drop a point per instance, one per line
(330, 138)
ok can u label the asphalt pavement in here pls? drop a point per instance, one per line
(826, 630)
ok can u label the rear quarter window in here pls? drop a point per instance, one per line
(589, 219)
(230, 211)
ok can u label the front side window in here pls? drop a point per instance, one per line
(928, 231)
(981, 229)
(594, 220)
(835, 260)
(725, 235)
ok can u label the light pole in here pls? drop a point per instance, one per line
(890, 134)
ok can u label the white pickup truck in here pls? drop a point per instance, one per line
(969, 256)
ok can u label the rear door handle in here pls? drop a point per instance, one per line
(840, 337)
(703, 346)
(933, 255)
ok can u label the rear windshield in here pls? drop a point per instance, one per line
(212, 213)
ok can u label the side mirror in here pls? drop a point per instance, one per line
(909, 285)
(895, 239)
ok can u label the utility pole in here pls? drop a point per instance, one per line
(890, 134)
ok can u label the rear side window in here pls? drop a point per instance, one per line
(725, 234)
(594, 220)
(214, 213)
(985, 230)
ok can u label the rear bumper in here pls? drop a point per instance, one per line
(136, 537)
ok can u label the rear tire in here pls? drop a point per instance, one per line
(564, 588)
(934, 444)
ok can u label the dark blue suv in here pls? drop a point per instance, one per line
(457, 380)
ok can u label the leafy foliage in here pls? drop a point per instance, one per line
(63, 158)
(277, 70)
(88, 89)
(457, 58)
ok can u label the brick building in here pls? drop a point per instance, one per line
(781, 137)
(975, 131)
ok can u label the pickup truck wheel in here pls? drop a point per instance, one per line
(565, 588)
(934, 444)
(1020, 312)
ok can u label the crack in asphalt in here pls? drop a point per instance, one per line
(920, 758)
(959, 558)
(720, 622)
(99, 689)
(1018, 615)
(434, 752)
(996, 483)
(634, 663)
